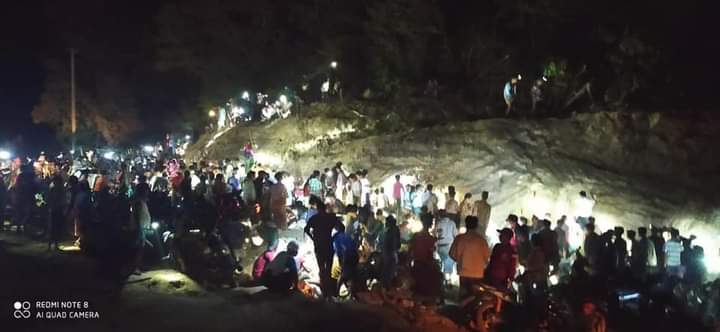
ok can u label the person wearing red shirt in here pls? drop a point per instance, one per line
(503, 261)
(425, 270)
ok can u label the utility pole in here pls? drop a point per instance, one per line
(73, 112)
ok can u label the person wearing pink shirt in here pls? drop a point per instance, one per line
(398, 190)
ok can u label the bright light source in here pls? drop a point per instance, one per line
(170, 276)
(283, 99)
(149, 148)
(554, 280)
(188, 137)
(333, 64)
(194, 230)
(69, 248)
(257, 241)
(72, 151)
(212, 113)
(544, 79)
(5, 154)
(627, 297)
(155, 225)
(109, 155)
(246, 95)
(519, 77)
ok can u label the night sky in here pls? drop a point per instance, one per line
(34, 32)
(21, 74)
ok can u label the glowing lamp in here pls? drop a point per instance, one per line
(155, 225)
(554, 280)
(333, 64)
(257, 241)
(212, 113)
(5, 155)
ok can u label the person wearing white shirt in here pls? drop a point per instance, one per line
(452, 208)
(365, 188)
(445, 232)
(583, 209)
(430, 200)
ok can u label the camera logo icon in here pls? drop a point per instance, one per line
(22, 309)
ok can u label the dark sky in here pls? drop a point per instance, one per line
(22, 73)
(33, 31)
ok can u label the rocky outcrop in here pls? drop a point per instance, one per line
(643, 168)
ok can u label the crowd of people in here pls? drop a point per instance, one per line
(349, 222)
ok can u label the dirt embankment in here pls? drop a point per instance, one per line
(643, 167)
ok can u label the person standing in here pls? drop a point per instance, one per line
(445, 232)
(509, 93)
(315, 186)
(390, 248)
(355, 189)
(466, 208)
(621, 251)
(57, 202)
(398, 193)
(673, 250)
(140, 222)
(471, 253)
(562, 236)
(643, 255)
(278, 202)
(424, 268)
(583, 210)
(452, 208)
(248, 189)
(481, 210)
(536, 94)
(430, 200)
(319, 229)
(503, 261)
(592, 248)
(233, 180)
(364, 187)
(659, 242)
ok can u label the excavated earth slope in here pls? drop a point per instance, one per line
(643, 168)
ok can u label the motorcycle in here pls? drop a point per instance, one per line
(484, 307)
(206, 257)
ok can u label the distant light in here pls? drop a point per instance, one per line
(283, 99)
(333, 64)
(149, 148)
(187, 137)
(155, 225)
(194, 230)
(544, 79)
(554, 280)
(69, 248)
(212, 113)
(72, 151)
(109, 155)
(171, 276)
(257, 241)
(246, 95)
(627, 297)
(519, 77)
(5, 154)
